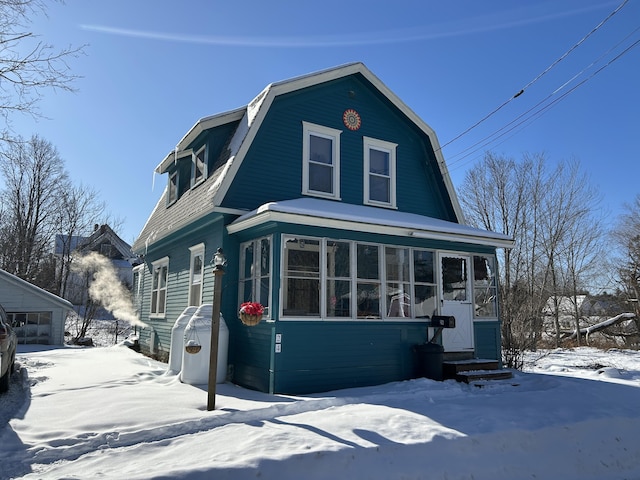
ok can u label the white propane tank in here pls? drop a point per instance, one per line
(195, 366)
(177, 340)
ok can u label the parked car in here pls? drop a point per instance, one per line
(8, 342)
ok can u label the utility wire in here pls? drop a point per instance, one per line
(547, 97)
(544, 109)
(562, 57)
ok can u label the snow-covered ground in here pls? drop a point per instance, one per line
(111, 413)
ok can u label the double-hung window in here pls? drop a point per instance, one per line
(321, 161)
(159, 286)
(255, 272)
(379, 172)
(199, 166)
(196, 274)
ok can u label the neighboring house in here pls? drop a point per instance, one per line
(39, 316)
(106, 242)
(335, 210)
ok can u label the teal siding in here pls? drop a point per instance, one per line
(487, 340)
(321, 356)
(177, 249)
(275, 156)
(315, 355)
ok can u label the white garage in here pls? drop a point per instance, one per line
(38, 316)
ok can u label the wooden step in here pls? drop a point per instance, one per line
(453, 367)
(475, 375)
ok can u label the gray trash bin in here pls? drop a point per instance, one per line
(430, 359)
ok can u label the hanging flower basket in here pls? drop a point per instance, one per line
(251, 313)
(192, 347)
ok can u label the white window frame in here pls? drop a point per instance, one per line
(255, 276)
(196, 278)
(332, 134)
(194, 160)
(156, 266)
(389, 148)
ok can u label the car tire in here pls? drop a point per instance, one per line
(4, 381)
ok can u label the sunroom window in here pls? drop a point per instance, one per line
(321, 161)
(368, 281)
(425, 288)
(255, 272)
(301, 295)
(484, 286)
(379, 172)
(338, 279)
(398, 286)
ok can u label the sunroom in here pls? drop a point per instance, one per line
(348, 290)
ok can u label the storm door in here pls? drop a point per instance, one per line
(456, 300)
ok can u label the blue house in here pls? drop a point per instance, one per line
(333, 205)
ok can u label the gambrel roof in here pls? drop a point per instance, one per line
(197, 203)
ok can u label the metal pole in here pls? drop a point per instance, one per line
(218, 271)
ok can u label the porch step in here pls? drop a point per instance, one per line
(474, 369)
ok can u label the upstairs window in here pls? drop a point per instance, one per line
(321, 161)
(199, 167)
(379, 172)
(159, 287)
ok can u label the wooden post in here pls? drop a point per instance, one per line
(218, 270)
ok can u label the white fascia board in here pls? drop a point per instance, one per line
(199, 127)
(415, 226)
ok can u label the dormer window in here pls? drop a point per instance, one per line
(173, 188)
(321, 161)
(379, 172)
(199, 167)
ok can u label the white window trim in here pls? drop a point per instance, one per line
(326, 132)
(158, 264)
(196, 250)
(255, 276)
(384, 146)
(194, 157)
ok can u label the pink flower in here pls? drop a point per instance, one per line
(251, 308)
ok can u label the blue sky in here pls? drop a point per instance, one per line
(154, 67)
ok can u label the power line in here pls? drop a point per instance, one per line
(522, 90)
(536, 114)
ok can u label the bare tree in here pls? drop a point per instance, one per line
(79, 210)
(627, 237)
(34, 178)
(28, 66)
(548, 212)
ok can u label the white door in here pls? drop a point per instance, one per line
(455, 299)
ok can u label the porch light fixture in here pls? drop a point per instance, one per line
(219, 262)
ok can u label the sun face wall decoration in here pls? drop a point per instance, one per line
(351, 119)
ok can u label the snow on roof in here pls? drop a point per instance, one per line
(311, 211)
